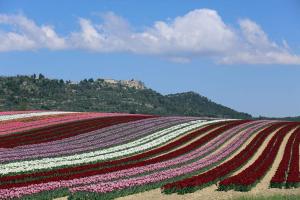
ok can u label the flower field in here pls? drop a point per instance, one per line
(49, 154)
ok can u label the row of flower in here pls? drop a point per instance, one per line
(220, 172)
(61, 131)
(280, 177)
(250, 176)
(102, 138)
(54, 185)
(142, 144)
(133, 161)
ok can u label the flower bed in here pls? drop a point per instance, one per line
(247, 179)
(92, 169)
(16, 126)
(221, 171)
(136, 146)
(101, 138)
(54, 185)
(106, 187)
(108, 155)
(61, 131)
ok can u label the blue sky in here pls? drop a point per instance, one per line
(245, 55)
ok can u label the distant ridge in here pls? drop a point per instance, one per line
(297, 118)
(104, 95)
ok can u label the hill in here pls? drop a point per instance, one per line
(37, 92)
(292, 118)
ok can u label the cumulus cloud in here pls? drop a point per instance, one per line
(200, 33)
(110, 36)
(26, 35)
(256, 48)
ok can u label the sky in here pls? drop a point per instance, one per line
(242, 54)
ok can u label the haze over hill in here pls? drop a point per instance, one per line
(38, 92)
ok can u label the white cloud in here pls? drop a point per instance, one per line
(88, 38)
(27, 35)
(200, 33)
(254, 35)
(256, 48)
(112, 35)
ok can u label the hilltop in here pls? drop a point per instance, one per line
(104, 95)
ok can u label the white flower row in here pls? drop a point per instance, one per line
(34, 114)
(148, 142)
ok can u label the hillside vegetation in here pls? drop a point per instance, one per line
(37, 92)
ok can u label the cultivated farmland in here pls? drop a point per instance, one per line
(75, 155)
